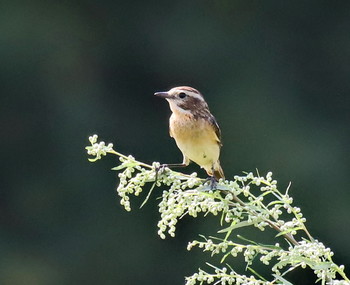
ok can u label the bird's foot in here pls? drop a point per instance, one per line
(213, 182)
(159, 170)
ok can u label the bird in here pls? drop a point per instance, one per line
(195, 130)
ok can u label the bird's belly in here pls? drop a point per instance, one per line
(197, 141)
(203, 153)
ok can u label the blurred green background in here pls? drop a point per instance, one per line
(275, 75)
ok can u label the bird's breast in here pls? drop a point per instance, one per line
(195, 138)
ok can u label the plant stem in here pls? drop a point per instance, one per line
(287, 236)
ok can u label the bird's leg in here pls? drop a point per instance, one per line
(184, 163)
(161, 168)
(173, 165)
(212, 179)
(213, 182)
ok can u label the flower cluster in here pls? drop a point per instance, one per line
(131, 180)
(311, 254)
(98, 149)
(338, 282)
(177, 203)
(228, 247)
(248, 201)
(223, 276)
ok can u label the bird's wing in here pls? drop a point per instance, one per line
(217, 130)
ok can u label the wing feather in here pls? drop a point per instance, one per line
(217, 130)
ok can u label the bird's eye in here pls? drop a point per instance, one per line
(182, 95)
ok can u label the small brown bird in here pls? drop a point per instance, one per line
(194, 129)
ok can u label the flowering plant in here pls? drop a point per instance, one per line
(247, 201)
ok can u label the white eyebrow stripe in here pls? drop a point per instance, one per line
(195, 95)
(188, 92)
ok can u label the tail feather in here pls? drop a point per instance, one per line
(216, 171)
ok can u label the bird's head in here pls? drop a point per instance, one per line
(184, 100)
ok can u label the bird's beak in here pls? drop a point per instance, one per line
(162, 95)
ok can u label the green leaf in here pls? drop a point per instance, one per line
(204, 188)
(93, 159)
(288, 231)
(275, 202)
(280, 278)
(125, 165)
(267, 246)
(223, 187)
(236, 226)
(322, 265)
(148, 195)
(256, 273)
(248, 240)
(224, 257)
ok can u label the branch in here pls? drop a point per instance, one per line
(247, 201)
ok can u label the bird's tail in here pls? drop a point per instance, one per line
(216, 171)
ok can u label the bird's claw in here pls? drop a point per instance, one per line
(213, 182)
(159, 170)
